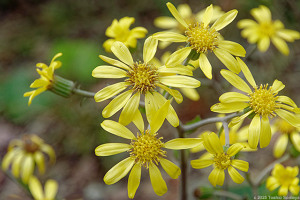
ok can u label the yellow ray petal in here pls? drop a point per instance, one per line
(216, 177)
(27, 168)
(110, 91)
(51, 187)
(212, 143)
(235, 175)
(181, 69)
(122, 52)
(149, 50)
(227, 59)
(130, 109)
(234, 149)
(281, 45)
(172, 170)
(150, 106)
(277, 86)
(175, 93)
(231, 97)
(183, 143)
(245, 23)
(109, 149)
(40, 161)
(207, 15)
(178, 57)
(224, 20)
(116, 104)
(246, 72)
(263, 43)
(265, 133)
(134, 180)
(118, 171)
(205, 66)
(184, 10)
(295, 137)
(289, 117)
(236, 81)
(272, 183)
(165, 22)
(229, 107)
(16, 164)
(157, 181)
(176, 14)
(138, 121)
(47, 149)
(240, 164)
(159, 117)
(190, 93)
(254, 132)
(35, 188)
(180, 81)
(8, 158)
(117, 129)
(169, 36)
(286, 100)
(201, 163)
(288, 35)
(280, 145)
(108, 72)
(233, 48)
(114, 62)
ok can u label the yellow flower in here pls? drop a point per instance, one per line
(119, 31)
(236, 135)
(201, 37)
(142, 78)
(46, 80)
(24, 154)
(37, 191)
(145, 150)
(286, 178)
(265, 29)
(221, 160)
(262, 101)
(185, 11)
(286, 131)
(190, 93)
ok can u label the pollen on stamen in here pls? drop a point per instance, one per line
(222, 161)
(202, 38)
(142, 77)
(147, 148)
(263, 101)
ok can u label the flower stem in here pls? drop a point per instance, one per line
(226, 131)
(83, 93)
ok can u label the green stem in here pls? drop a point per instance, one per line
(83, 93)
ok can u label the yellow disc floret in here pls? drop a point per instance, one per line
(267, 29)
(263, 101)
(202, 38)
(147, 148)
(142, 77)
(222, 161)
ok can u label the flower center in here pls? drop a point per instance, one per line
(142, 77)
(222, 161)
(29, 145)
(285, 178)
(263, 100)
(202, 38)
(284, 127)
(147, 148)
(267, 29)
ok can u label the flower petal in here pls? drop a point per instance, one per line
(283, 190)
(232, 48)
(138, 121)
(224, 20)
(254, 132)
(35, 188)
(181, 69)
(235, 175)
(190, 93)
(150, 106)
(205, 66)
(130, 109)
(110, 91)
(172, 170)
(180, 81)
(165, 22)
(121, 51)
(216, 177)
(265, 133)
(111, 149)
(134, 180)
(114, 62)
(212, 143)
(272, 183)
(281, 45)
(228, 60)
(27, 168)
(286, 100)
(157, 181)
(176, 14)
(295, 137)
(51, 187)
(236, 81)
(289, 117)
(104, 71)
(149, 50)
(240, 164)
(263, 43)
(201, 163)
(183, 143)
(118, 171)
(234, 149)
(244, 23)
(277, 86)
(207, 15)
(175, 93)
(8, 158)
(246, 72)
(159, 117)
(232, 97)
(169, 36)
(16, 164)
(39, 83)
(47, 149)
(40, 161)
(116, 104)
(117, 129)
(288, 35)
(280, 145)
(178, 57)
(229, 107)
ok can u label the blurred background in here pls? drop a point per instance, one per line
(33, 31)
